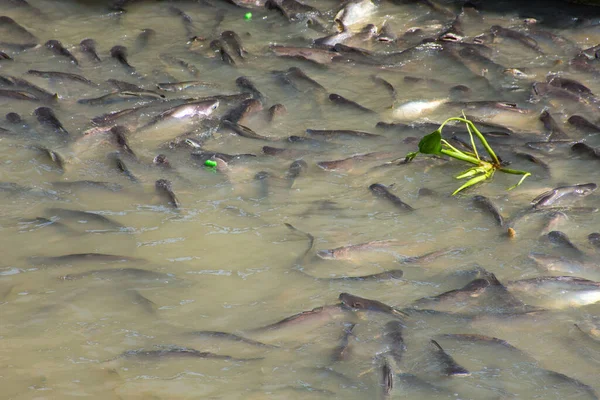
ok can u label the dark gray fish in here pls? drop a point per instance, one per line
(350, 162)
(552, 196)
(137, 274)
(165, 189)
(46, 117)
(191, 69)
(246, 84)
(342, 351)
(386, 380)
(388, 86)
(76, 215)
(119, 53)
(318, 56)
(244, 131)
(299, 75)
(13, 118)
(28, 87)
(178, 352)
(245, 109)
(118, 97)
(143, 39)
(572, 265)
(394, 340)
(188, 23)
(202, 156)
(535, 160)
(137, 298)
(447, 363)
(233, 40)
(349, 251)
(581, 123)
(125, 86)
(594, 240)
(311, 242)
(394, 274)
(120, 165)
(383, 192)
(550, 124)
(544, 89)
(120, 134)
(86, 184)
(572, 381)
(561, 239)
(276, 110)
(342, 101)
(295, 169)
(321, 315)
(63, 76)
(476, 338)
(162, 161)
(183, 85)
(487, 205)
(569, 84)
(285, 153)
(526, 40)
(11, 30)
(230, 337)
(553, 220)
(70, 259)
(16, 189)
(112, 117)
(359, 303)
(88, 46)
(263, 178)
(585, 150)
(53, 157)
(341, 132)
(58, 49)
(4, 56)
(18, 95)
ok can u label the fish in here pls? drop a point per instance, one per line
(318, 56)
(120, 134)
(29, 89)
(165, 189)
(88, 47)
(415, 109)
(319, 315)
(58, 49)
(179, 352)
(14, 33)
(137, 274)
(295, 169)
(122, 167)
(342, 101)
(46, 117)
(551, 197)
(276, 110)
(386, 380)
(583, 124)
(52, 156)
(230, 337)
(553, 219)
(191, 69)
(561, 239)
(188, 23)
(348, 163)
(14, 118)
(71, 259)
(342, 351)
(359, 303)
(594, 240)
(234, 41)
(117, 97)
(393, 340)
(63, 76)
(4, 56)
(487, 205)
(476, 338)
(87, 184)
(347, 252)
(569, 84)
(354, 12)
(18, 95)
(383, 192)
(77, 215)
(394, 274)
(244, 110)
(524, 39)
(585, 150)
(244, 131)
(162, 161)
(183, 85)
(535, 160)
(180, 118)
(119, 53)
(577, 266)
(143, 39)
(557, 291)
(388, 86)
(202, 156)
(341, 132)
(449, 366)
(246, 84)
(550, 124)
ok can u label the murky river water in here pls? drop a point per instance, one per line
(226, 262)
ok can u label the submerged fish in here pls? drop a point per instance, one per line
(347, 252)
(383, 192)
(359, 303)
(557, 291)
(552, 196)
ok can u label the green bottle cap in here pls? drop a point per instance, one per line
(210, 163)
(248, 16)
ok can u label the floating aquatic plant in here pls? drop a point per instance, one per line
(483, 169)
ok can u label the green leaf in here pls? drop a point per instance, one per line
(471, 182)
(432, 143)
(411, 156)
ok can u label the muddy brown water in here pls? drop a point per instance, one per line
(225, 261)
